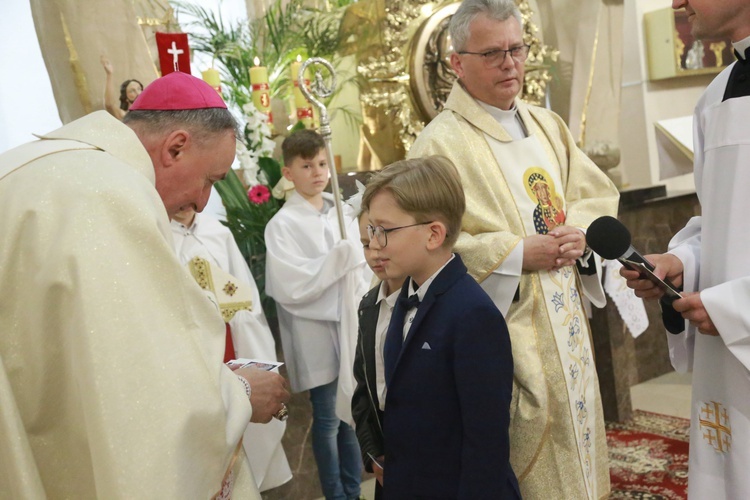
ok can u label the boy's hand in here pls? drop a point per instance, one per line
(377, 469)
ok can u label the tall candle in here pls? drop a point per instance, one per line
(261, 95)
(211, 77)
(304, 108)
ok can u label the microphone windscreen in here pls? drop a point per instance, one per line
(608, 237)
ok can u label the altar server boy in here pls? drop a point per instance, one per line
(447, 354)
(317, 280)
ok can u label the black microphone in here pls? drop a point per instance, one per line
(609, 238)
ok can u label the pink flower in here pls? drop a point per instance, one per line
(259, 194)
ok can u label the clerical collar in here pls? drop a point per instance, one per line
(509, 119)
(741, 47)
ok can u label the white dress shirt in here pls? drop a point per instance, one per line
(421, 292)
(384, 318)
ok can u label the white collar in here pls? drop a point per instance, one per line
(390, 299)
(742, 46)
(422, 291)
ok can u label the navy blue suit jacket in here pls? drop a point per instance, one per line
(447, 406)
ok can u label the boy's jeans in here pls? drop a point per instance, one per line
(335, 447)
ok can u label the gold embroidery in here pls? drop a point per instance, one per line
(201, 271)
(230, 288)
(716, 424)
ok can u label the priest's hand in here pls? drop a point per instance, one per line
(692, 309)
(572, 245)
(665, 265)
(540, 252)
(269, 391)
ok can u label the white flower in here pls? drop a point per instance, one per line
(249, 165)
(258, 137)
(355, 200)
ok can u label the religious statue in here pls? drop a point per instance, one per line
(694, 58)
(129, 90)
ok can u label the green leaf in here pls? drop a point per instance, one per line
(272, 169)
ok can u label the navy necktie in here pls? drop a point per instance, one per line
(394, 338)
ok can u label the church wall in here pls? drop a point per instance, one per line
(645, 102)
(345, 134)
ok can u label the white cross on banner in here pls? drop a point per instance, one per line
(174, 52)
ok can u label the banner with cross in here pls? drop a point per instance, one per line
(174, 52)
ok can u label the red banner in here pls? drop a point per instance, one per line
(174, 52)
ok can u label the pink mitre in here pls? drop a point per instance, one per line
(178, 91)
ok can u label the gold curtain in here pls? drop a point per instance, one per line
(73, 35)
(587, 79)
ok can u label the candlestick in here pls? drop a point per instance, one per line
(304, 108)
(211, 77)
(260, 94)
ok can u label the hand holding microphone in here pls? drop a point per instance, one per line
(609, 238)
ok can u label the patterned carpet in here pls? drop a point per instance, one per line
(648, 457)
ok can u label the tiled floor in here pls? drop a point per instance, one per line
(668, 394)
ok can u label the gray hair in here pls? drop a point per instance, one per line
(499, 10)
(201, 122)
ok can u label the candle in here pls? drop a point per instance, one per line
(211, 77)
(304, 108)
(260, 94)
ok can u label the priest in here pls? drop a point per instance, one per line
(708, 257)
(111, 376)
(531, 193)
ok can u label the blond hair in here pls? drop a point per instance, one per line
(427, 188)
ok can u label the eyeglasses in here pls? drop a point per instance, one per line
(380, 233)
(496, 57)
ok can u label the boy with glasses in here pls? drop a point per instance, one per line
(447, 354)
(531, 194)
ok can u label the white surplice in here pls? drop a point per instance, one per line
(317, 280)
(111, 376)
(210, 239)
(714, 250)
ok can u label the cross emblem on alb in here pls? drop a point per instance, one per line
(718, 432)
(175, 54)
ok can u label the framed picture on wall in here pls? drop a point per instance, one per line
(673, 52)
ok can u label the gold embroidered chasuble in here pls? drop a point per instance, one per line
(552, 440)
(111, 376)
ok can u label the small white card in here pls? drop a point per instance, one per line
(260, 364)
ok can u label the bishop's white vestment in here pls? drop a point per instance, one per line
(714, 251)
(517, 187)
(317, 280)
(209, 239)
(111, 376)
